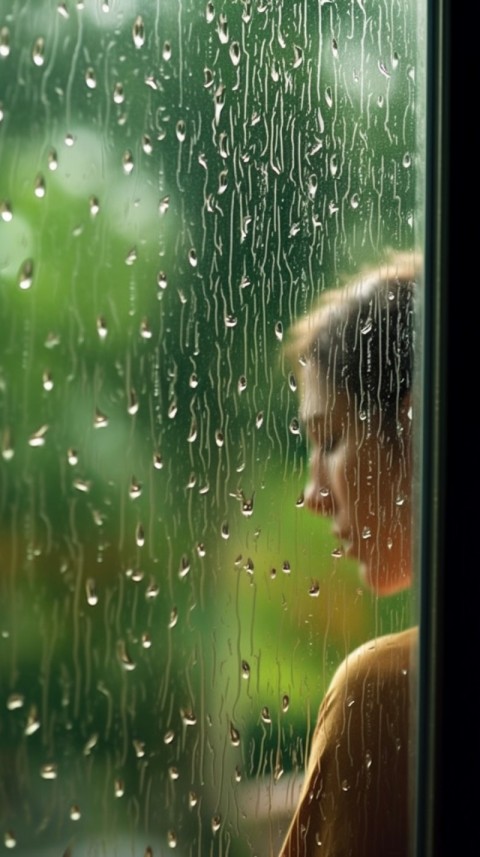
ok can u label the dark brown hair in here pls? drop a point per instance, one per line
(361, 336)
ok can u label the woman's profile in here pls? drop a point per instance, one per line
(356, 356)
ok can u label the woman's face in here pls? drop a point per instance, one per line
(362, 481)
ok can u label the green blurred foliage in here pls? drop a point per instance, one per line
(175, 191)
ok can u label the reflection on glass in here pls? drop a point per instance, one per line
(179, 184)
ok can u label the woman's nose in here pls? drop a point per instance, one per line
(318, 495)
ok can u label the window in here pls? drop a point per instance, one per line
(179, 184)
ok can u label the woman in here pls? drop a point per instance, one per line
(356, 353)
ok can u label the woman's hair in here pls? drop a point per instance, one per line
(361, 337)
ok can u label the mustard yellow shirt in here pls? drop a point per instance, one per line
(355, 800)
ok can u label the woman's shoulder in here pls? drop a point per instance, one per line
(374, 678)
(388, 655)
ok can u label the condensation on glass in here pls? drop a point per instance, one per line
(179, 182)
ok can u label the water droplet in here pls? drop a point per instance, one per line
(328, 96)
(192, 257)
(94, 206)
(345, 786)
(90, 744)
(147, 145)
(75, 814)
(9, 839)
(366, 328)
(242, 384)
(118, 93)
(164, 205)
(395, 60)
(47, 381)
(193, 433)
(131, 256)
(245, 670)
(91, 590)
(133, 403)
(33, 723)
(234, 736)
(38, 51)
(335, 48)
(222, 28)
(184, 566)
(314, 589)
(297, 56)
(279, 330)
(209, 12)
(4, 42)
(173, 619)
(368, 760)
(138, 32)
(102, 328)
(90, 78)
(238, 774)
(285, 703)
(124, 658)
(355, 200)
(25, 276)
(366, 533)
(167, 51)
(219, 102)
(216, 823)
(119, 788)
(249, 566)
(278, 773)
(139, 747)
(127, 162)
(294, 426)
(266, 715)
(172, 839)
(180, 130)
(100, 420)
(247, 507)
(234, 52)
(62, 10)
(225, 531)
(152, 590)
(38, 437)
(49, 771)
(140, 535)
(407, 160)
(6, 212)
(188, 717)
(259, 420)
(219, 438)
(192, 799)
(337, 553)
(15, 700)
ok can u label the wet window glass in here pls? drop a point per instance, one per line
(196, 458)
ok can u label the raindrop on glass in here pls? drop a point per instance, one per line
(127, 162)
(49, 772)
(38, 51)
(138, 32)
(25, 276)
(6, 211)
(9, 839)
(91, 590)
(4, 42)
(14, 701)
(119, 788)
(90, 78)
